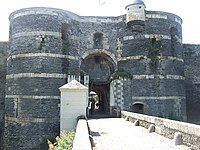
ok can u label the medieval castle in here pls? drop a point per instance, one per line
(135, 62)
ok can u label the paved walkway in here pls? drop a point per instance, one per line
(118, 134)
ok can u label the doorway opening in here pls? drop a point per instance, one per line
(100, 101)
(138, 108)
(99, 67)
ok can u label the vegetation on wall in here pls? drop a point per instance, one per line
(65, 46)
(174, 40)
(155, 50)
(120, 73)
(174, 117)
(64, 37)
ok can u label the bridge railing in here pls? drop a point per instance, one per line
(190, 133)
(82, 140)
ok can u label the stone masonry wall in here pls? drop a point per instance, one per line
(192, 73)
(3, 56)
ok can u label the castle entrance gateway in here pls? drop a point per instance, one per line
(99, 67)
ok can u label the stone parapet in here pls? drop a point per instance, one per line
(81, 140)
(167, 128)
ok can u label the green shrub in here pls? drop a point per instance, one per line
(64, 142)
(120, 73)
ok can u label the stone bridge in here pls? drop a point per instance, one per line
(136, 131)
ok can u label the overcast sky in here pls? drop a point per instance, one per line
(189, 11)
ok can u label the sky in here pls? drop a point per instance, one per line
(189, 11)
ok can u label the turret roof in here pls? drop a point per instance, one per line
(138, 2)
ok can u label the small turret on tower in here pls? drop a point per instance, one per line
(135, 17)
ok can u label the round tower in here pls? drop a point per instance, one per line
(153, 58)
(36, 68)
(135, 17)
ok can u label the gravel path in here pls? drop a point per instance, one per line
(118, 134)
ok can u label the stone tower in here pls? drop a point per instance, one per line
(151, 52)
(135, 16)
(35, 72)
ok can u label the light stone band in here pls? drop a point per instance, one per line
(74, 16)
(33, 12)
(161, 16)
(138, 57)
(170, 77)
(158, 97)
(56, 75)
(36, 33)
(147, 36)
(36, 75)
(156, 16)
(32, 97)
(31, 120)
(89, 19)
(42, 55)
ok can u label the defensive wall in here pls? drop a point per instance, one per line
(4, 46)
(47, 44)
(192, 73)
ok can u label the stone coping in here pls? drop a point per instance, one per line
(73, 85)
(82, 140)
(167, 127)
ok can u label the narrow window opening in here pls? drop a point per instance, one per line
(174, 33)
(42, 39)
(64, 31)
(64, 37)
(42, 42)
(153, 40)
(97, 39)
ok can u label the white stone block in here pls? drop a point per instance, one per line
(74, 100)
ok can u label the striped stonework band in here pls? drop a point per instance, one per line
(36, 75)
(75, 17)
(31, 120)
(32, 97)
(35, 12)
(42, 55)
(36, 33)
(158, 97)
(156, 16)
(173, 77)
(147, 36)
(162, 16)
(138, 57)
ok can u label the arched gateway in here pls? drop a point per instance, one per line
(99, 67)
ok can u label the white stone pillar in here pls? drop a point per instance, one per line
(73, 103)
